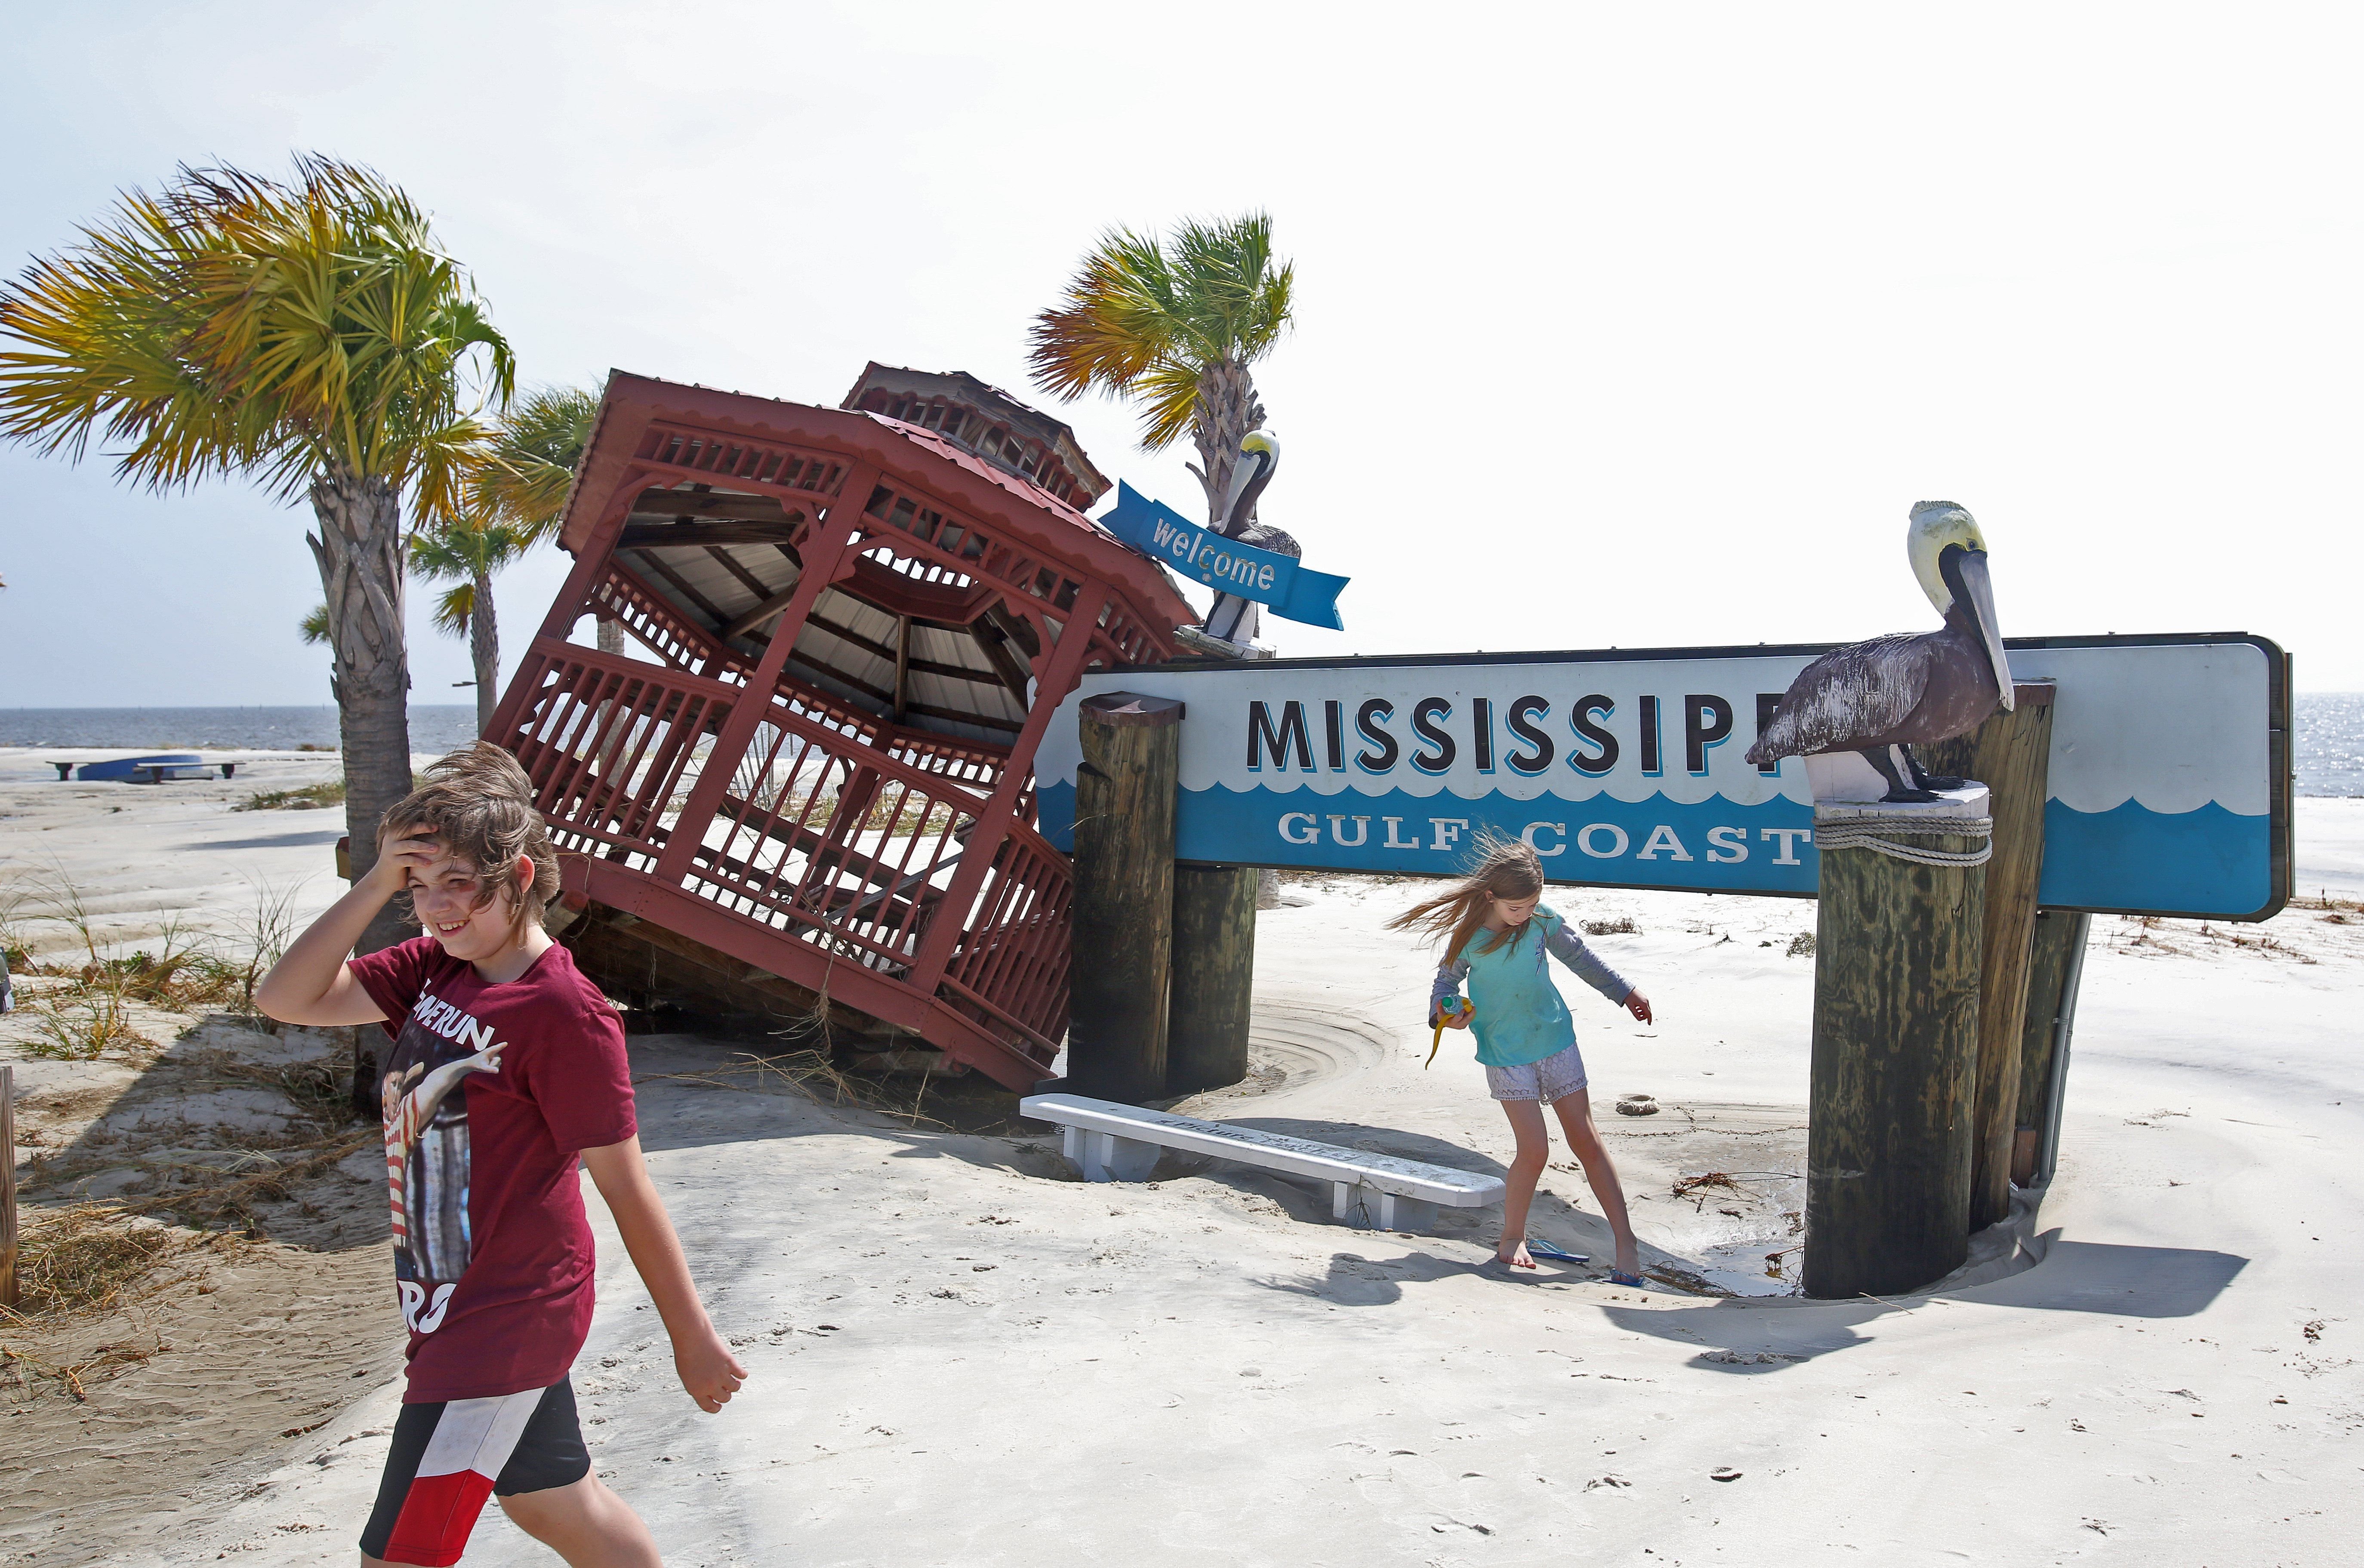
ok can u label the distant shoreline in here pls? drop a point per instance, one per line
(2328, 746)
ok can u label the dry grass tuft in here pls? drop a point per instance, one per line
(94, 1258)
(81, 1028)
(197, 1194)
(309, 797)
(1622, 926)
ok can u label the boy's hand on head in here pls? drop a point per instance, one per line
(708, 1371)
(1639, 1005)
(397, 858)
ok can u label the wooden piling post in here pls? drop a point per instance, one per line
(7, 1186)
(2009, 753)
(1123, 911)
(1214, 972)
(2054, 970)
(1895, 1057)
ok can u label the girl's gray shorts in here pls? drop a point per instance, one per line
(1554, 1077)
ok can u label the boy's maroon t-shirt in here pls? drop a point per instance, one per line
(489, 1091)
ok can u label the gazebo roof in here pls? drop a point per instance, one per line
(721, 483)
(907, 451)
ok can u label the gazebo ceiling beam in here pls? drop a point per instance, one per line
(703, 606)
(765, 610)
(891, 591)
(707, 506)
(697, 536)
(995, 642)
(924, 666)
(729, 562)
(1018, 628)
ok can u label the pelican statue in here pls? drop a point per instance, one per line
(1231, 617)
(1880, 698)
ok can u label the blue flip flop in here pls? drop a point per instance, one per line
(1545, 1250)
(1630, 1281)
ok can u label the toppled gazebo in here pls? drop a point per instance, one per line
(809, 797)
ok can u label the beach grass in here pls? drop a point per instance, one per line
(305, 797)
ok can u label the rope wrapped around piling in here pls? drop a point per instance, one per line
(1862, 830)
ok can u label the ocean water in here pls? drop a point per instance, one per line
(437, 729)
(2330, 755)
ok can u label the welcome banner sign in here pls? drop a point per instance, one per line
(2170, 770)
(1292, 590)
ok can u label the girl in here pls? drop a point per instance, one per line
(1525, 1038)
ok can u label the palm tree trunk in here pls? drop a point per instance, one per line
(1228, 409)
(611, 635)
(485, 646)
(359, 552)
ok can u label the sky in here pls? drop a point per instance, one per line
(1615, 325)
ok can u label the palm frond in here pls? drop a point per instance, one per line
(455, 608)
(315, 624)
(468, 548)
(231, 323)
(1168, 395)
(524, 471)
(1142, 319)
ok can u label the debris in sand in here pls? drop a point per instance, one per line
(1723, 1472)
(1637, 1105)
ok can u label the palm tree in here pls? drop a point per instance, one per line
(513, 498)
(1175, 326)
(466, 553)
(525, 471)
(308, 334)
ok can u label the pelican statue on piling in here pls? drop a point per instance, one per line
(1231, 617)
(1880, 698)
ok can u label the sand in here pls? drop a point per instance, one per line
(961, 1355)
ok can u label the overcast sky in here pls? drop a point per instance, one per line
(1616, 324)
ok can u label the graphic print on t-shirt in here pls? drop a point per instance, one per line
(425, 1106)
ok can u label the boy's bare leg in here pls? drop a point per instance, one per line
(584, 1523)
(1584, 1142)
(587, 1524)
(1519, 1180)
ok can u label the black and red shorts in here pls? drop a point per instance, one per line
(448, 1458)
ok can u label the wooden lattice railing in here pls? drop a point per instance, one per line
(835, 830)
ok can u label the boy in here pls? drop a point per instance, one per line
(507, 1065)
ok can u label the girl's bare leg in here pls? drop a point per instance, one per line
(1584, 1142)
(1519, 1180)
(587, 1524)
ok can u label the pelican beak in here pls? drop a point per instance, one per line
(1981, 593)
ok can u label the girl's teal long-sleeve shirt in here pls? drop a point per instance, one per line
(1520, 1017)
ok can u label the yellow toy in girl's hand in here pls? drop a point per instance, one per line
(1454, 1012)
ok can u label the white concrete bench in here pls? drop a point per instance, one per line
(1113, 1142)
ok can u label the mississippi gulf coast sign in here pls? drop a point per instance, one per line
(2168, 774)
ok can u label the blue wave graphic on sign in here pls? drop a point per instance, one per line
(2204, 862)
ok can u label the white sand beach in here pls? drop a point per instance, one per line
(960, 1354)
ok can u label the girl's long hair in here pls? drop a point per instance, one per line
(1500, 868)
